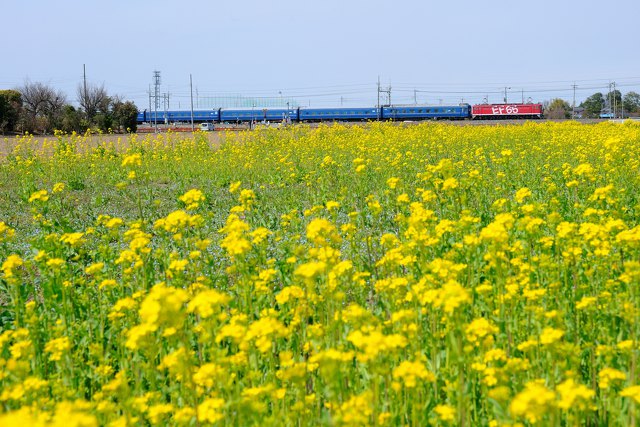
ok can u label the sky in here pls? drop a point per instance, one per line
(325, 53)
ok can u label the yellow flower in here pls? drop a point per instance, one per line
(72, 239)
(208, 375)
(55, 263)
(210, 410)
(94, 268)
(610, 375)
(132, 160)
(633, 392)
(58, 188)
(533, 402)
(42, 195)
(10, 264)
(192, 198)
(356, 411)
(235, 186)
(332, 205)
(522, 194)
(445, 413)
(574, 396)
(393, 182)
(322, 232)
(479, 328)
(206, 303)
(57, 347)
(409, 372)
(550, 336)
(450, 184)
(6, 232)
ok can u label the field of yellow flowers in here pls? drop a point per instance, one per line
(374, 275)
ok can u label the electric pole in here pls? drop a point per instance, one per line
(573, 107)
(191, 90)
(415, 97)
(156, 97)
(615, 102)
(84, 79)
(609, 98)
(378, 98)
(505, 94)
(165, 104)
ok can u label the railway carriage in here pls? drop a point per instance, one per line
(422, 112)
(338, 114)
(258, 115)
(179, 116)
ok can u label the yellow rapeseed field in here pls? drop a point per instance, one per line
(374, 275)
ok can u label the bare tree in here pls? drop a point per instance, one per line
(92, 99)
(42, 106)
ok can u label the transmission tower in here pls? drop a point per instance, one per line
(156, 96)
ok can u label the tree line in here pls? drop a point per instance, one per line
(40, 109)
(594, 105)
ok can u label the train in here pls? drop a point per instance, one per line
(304, 114)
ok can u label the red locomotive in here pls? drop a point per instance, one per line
(506, 111)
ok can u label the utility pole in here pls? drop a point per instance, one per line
(378, 98)
(156, 97)
(341, 101)
(609, 98)
(415, 97)
(149, 104)
(191, 90)
(615, 101)
(165, 104)
(573, 106)
(505, 94)
(84, 79)
(523, 96)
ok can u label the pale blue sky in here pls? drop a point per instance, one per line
(319, 52)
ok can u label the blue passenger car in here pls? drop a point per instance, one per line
(258, 115)
(336, 114)
(422, 112)
(179, 116)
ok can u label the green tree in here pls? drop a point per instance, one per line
(71, 119)
(104, 121)
(10, 108)
(631, 102)
(558, 109)
(593, 105)
(125, 115)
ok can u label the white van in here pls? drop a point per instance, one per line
(206, 127)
